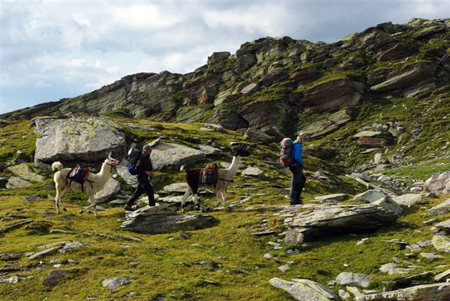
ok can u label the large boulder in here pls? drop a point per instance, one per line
(78, 139)
(160, 220)
(408, 199)
(442, 208)
(16, 182)
(317, 220)
(426, 292)
(109, 190)
(172, 155)
(438, 183)
(332, 94)
(303, 289)
(353, 279)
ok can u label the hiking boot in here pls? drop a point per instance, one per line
(299, 202)
(129, 208)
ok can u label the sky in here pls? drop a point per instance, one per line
(59, 49)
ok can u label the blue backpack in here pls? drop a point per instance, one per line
(132, 158)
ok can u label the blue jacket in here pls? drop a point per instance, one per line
(297, 154)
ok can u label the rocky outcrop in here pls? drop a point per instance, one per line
(78, 140)
(327, 125)
(160, 220)
(411, 76)
(302, 289)
(109, 190)
(332, 94)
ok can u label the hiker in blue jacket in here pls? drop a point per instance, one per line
(298, 178)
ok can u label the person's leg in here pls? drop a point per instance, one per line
(148, 188)
(137, 193)
(295, 197)
(301, 182)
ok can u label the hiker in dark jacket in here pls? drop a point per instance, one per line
(144, 169)
(298, 178)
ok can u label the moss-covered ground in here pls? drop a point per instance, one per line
(165, 265)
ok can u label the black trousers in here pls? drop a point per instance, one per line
(297, 183)
(143, 186)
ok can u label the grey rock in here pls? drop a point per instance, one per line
(118, 202)
(392, 269)
(367, 134)
(442, 208)
(435, 292)
(353, 279)
(115, 282)
(331, 198)
(125, 175)
(431, 256)
(257, 136)
(14, 226)
(444, 226)
(438, 183)
(407, 199)
(254, 172)
(389, 205)
(78, 139)
(16, 182)
(160, 219)
(46, 252)
(284, 268)
(328, 125)
(442, 276)
(9, 256)
(294, 236)
(370, 196)
(249, 88)
(57, 276)
(25, 172)
(441, 243)
(71, 246)
(109, 190)
(302, 289)
(318, 220)
(176, 188)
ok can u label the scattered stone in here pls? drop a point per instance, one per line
(442, 276)
(14, 226)
(407, 199)
(14, 279)
(441, 243)
(113, 283)
(302, 289)
(16, 182)
(392, 269)
(431, 256)
(440, 209)
(344, 295)
(57, 276)
(438, 183)
(284, 268)
(254, 172)
(267, 256)
(353, 279)
(39, 226)
(364, 240)
(367, 134)
(118, 202)
(238, 271)
(9, 256)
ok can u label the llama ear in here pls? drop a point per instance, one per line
(109, 155)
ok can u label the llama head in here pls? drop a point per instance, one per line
(240, 150)
(111, 161)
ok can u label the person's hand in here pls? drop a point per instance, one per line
(149, 173)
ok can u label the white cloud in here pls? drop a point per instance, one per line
(75, 46)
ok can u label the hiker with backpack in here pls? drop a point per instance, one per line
(291, 156)
(140, 164)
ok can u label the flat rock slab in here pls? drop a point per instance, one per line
(254, 172)
(172, 156)
(302, 289)
(407, 199)
(160, 220)
(56, 276)
(444, 226)
(78, 139)
(426, 292)
(16, 182)
(331, 198)
(318, 220)
(176, 188)
(328, 125)
(441, 243)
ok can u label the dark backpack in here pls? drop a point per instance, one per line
(133, 157)
(286, 157)
(209, 175)
(78, 174)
